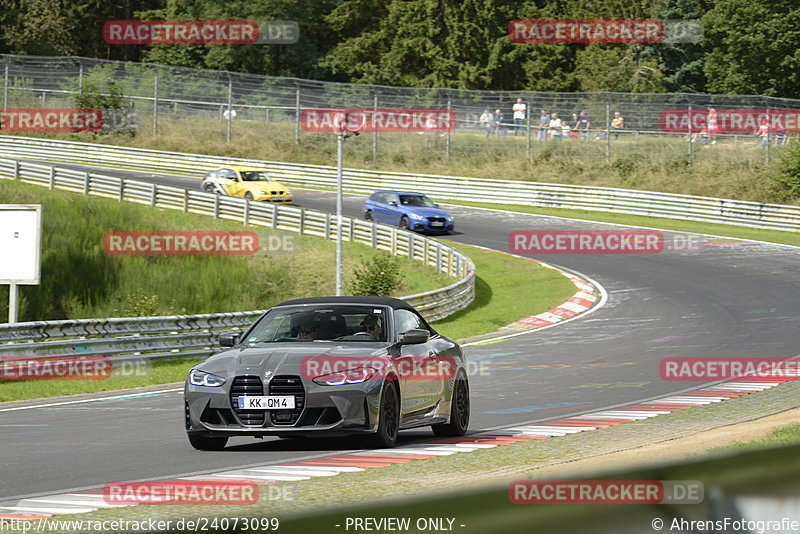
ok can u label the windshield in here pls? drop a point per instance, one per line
(321, 323)
(255, 176)
(416, 200)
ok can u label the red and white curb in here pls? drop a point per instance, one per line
(80, 502)
(587, 297)
(590, 297)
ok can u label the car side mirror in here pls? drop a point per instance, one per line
(393, 203)
(436, 205)
(229, 339)
(415, 336)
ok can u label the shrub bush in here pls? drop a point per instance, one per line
(378, 278)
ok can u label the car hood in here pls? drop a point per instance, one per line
(288, 358)
(429, 212)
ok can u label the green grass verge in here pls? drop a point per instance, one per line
(150, 374)
(79, 280)
(787, 435)
(507, 289)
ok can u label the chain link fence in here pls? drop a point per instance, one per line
(671, 123)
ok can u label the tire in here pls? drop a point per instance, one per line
(202, 443)
(459, 411)
(404, 222)
(248, 195)
(368, 215)
(388, 418)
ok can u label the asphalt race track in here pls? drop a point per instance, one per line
(720, 298)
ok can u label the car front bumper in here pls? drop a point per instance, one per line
(333, 410)
(277, 199)
(427, 226)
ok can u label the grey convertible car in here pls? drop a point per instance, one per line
(329, 366)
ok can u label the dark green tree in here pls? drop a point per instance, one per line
(301, 59)
(681, 63)
(40, 27)
(66, 27)
(755, 47)
(444, 43)
(617, 68)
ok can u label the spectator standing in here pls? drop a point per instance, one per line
(713, 125)
(573, 130)
(617, 124)
(430, 131)
(555, 127)
(487, 121)
(519, 116)
(584, 125)
(763, 132)
(498, 122)
(544, 123)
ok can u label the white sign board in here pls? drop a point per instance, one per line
(20, 243)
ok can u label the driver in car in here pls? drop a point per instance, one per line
(372, 324)
(309, 327)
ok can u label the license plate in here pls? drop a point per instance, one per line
(277, 198)
(437, 224)
(284, 402)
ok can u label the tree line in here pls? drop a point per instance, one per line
(749, 46)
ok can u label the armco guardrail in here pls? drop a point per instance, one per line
(191, 335)
(687, 207)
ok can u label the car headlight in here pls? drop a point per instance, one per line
(350, 376)
(450, 218)
(418, 217)
(202, 378)
(260, 192)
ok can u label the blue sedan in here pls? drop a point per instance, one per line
(412, 211)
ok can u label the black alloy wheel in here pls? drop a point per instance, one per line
(459, 411)
(388, 418)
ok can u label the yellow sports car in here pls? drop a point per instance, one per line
(246, 182)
